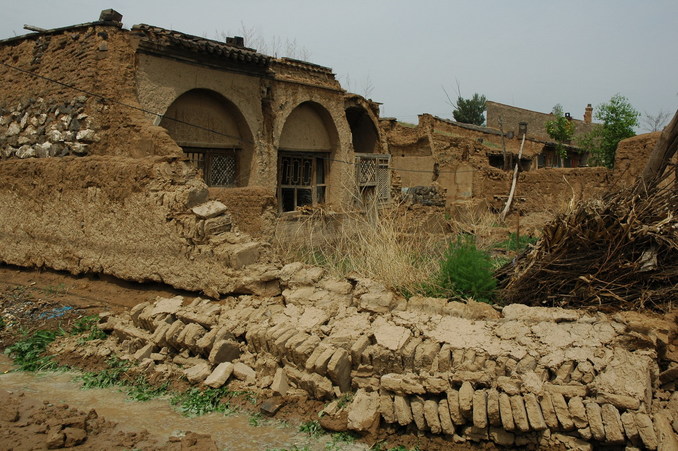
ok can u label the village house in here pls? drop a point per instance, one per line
(276, 131)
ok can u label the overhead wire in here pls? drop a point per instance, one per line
(200, 127)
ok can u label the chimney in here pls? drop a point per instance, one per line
(588, 114)
(110, 15)
(237, 41)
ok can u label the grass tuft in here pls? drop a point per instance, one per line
(312, 428)
(195, 402)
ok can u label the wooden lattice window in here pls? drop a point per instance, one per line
(219, 166)
(373, 173)
(302, 179)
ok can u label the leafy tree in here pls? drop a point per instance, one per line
(618, 119)
(560, 129)
(470, 111)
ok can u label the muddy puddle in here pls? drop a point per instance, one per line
(232, 432)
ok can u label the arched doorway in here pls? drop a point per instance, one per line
(213, 134)
(305, 151)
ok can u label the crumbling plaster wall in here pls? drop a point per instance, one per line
(265, 103)
(160, 81)
(124, 205)
(463, 169)
(288, 96)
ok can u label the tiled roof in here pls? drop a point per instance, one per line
(170, 39)
(304, 65)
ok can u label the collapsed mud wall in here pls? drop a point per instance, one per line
(631, 156)
(136, 219)
(519, 376)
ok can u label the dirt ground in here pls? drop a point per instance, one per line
(32, 300)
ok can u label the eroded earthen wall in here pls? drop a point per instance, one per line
(137, 219)
(44, 115)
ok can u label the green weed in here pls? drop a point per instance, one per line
(255, 419)
(142, 391)
(29, 352)
(338, 439)
(516, 243)
(88, 324)
(105, 378)
(195, 402)
(312, 428)
(344, 400)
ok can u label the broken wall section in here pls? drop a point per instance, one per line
(136, 219)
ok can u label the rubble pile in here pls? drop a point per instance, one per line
(467, 370)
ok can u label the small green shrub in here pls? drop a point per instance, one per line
(88, 324)
(339, 440)
(142, 391)
(256, 419)
(465, 271)
(29, 352)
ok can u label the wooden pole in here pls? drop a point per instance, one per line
(661, 155)
(507, 207)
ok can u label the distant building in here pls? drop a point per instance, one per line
(534, 122)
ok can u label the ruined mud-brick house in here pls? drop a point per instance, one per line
(464, 163)
(144, 152)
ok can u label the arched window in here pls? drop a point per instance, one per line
(304, 156)
(213, 135)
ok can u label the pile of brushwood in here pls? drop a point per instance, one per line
(615, 253)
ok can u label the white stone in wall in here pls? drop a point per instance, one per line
(13, 129)
(210, 209)
(87, 135)
(25, 152)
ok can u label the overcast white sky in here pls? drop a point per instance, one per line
(528, 53)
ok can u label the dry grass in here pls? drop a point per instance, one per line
(387, 248)
(392, 248)
(480, 222)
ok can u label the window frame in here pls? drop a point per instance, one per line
(202, 157)
(318, 188)
(379, 179)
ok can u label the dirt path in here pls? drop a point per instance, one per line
(149, 423)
